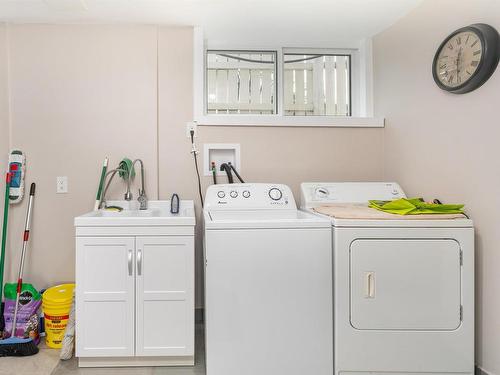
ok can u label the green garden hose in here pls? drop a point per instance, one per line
(126, 165)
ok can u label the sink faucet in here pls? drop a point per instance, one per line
(142, 199)
(113, 172)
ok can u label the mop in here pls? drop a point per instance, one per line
(68, 343)
(16, 346)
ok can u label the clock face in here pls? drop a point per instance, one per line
(459, 59)
(467, 58)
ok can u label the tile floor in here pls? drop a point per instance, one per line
(42, 363)
(47, 362)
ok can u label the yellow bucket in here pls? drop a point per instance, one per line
(56, 303)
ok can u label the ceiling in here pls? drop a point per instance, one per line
(283, 21)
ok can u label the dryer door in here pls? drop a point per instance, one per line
(405, 284)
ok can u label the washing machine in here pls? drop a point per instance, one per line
(403, 286)
(268, 283)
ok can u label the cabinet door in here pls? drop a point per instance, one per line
(410, 284)
(105, 296)
(165, 296)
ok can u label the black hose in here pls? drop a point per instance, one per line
(196, 166)
(239, 58)
(226, 168)
(236, 172)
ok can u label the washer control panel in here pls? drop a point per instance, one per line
(249, 196)
(315, 194)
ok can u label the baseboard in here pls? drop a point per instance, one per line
(135, 361)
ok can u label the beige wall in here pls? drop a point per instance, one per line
(4, 114)
(4, 107)
(444, 145)
(79, 93)
(286, 155)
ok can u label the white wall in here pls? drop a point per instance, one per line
(444, 145)
(81, 92)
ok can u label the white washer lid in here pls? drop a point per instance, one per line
(263, 219)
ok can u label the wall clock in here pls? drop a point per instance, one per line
(466, 58)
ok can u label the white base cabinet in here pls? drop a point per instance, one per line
(105, 297)
(135, 298)
(163, 294)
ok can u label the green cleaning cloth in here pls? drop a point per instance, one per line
(415, 206)
(126, 164)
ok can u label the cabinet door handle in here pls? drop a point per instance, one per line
(130, 254)
(370, 285)
(139, 262)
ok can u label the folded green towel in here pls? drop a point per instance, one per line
(415, 206)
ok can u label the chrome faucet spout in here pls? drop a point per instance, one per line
(142, 198)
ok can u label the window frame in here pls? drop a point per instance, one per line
(360, 90)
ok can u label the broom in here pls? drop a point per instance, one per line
(16, 346)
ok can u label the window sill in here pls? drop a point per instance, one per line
(291, 121)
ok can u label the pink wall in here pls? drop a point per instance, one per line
(4, 102)
(440, 145)
(4, 114)
(81, 92)
(77, 94)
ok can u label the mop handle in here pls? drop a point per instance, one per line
(4, 229)
(26, 236)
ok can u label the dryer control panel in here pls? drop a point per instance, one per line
(249, 197)
(315, 194)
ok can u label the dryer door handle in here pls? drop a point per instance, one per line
(370, 284)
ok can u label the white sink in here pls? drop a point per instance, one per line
(126, 213)
(157, 214)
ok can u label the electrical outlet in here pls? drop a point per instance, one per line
(62, 185)
(191, 126)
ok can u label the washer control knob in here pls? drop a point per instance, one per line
(221, 194)
(233, 193)
(246, 194)
(275, 194)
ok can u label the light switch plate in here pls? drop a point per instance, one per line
(62, 185)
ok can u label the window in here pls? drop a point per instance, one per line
(241, 82)
(317, 84)
(268, 85)
(244, 82)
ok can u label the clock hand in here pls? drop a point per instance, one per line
(458, 60)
